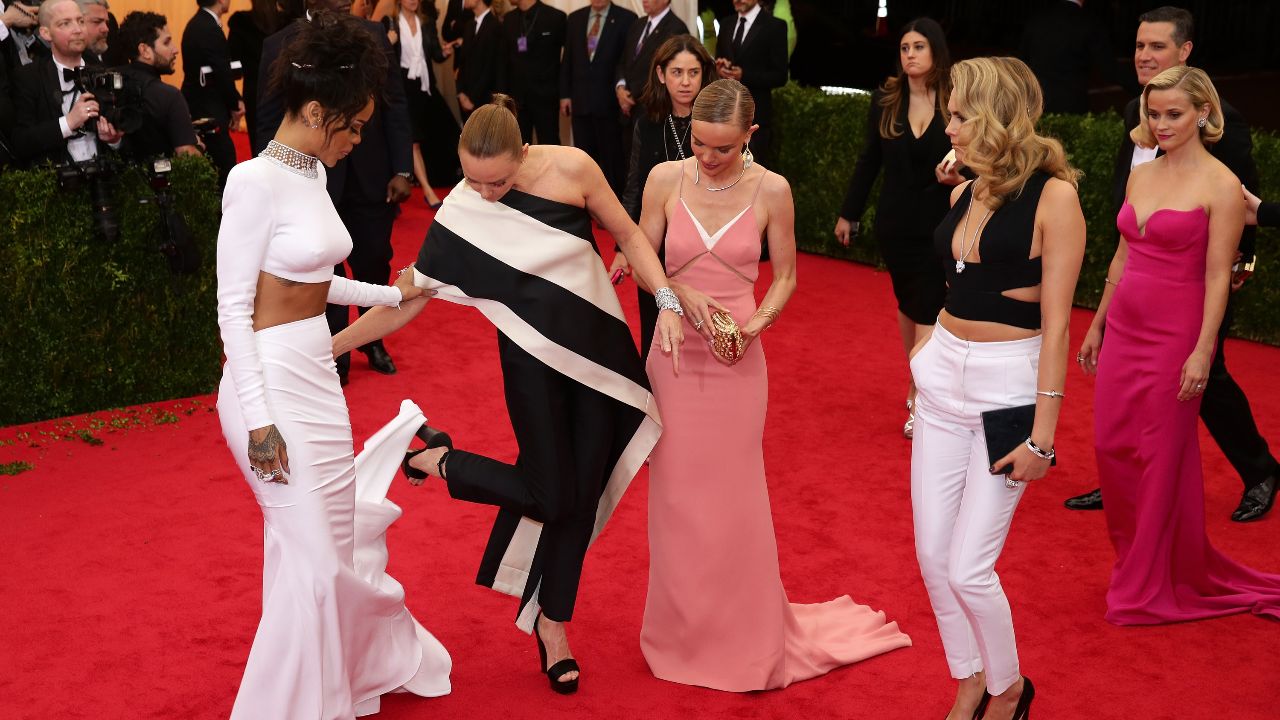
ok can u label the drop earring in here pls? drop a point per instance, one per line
(747, 158)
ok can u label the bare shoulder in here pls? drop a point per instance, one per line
(775, 187)
(665, 174)
(958, 190)
(1222, 188)
(1059, 193)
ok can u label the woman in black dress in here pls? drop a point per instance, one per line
(411, 27)
(680, 68)
(905, 136)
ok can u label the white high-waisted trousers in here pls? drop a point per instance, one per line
(962, 512)
(335, 634)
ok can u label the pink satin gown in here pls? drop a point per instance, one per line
(1147, 444)
(716, 613)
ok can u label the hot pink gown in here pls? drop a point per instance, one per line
(716, 613)
(1147, 444)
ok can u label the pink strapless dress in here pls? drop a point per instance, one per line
(1147, 444)
(716, 613)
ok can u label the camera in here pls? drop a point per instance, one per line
(98, 173)
(172, 236)
(119, 97)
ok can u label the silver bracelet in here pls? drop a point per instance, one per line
(1035, 450)
(667, 300)
(1050, 393)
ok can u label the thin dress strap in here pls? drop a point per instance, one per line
(760, 185)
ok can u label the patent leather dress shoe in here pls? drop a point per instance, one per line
(380, 361)
(1088, 501)
(1257, 501)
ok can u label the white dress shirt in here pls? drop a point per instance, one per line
(83, 145)
(412, 56)
(750, 16)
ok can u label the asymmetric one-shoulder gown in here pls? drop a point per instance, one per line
(716, 613)
(1146, 439)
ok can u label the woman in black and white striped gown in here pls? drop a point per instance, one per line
(514, 240)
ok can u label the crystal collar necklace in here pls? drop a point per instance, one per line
(295, 162)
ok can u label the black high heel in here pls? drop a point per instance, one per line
(982, 705)
(1023, 711)
(567, 687)
(433, 439)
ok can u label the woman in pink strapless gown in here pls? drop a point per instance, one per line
(716, 613)
(1166, 293)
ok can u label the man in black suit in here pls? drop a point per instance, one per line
(594, 43)
(56, 119)
(480, 60)
(1063, 46)
(208, 83)
(1164, 40)
(752, 49)
(645, 36)
(97, 25)
(533, 39)
(368, 185)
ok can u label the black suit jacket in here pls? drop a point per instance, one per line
(480, 61)
(535, 73)
(1235, 150)
(586, 81)
(453, 17)
(1063, 46)
(634, 68)
(762, 57)
(204, 45)
(386, 145)
(7, 115)
(37, 96)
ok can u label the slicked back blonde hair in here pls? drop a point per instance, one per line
(725, 101)
(1199, 89)
(492, 130)
(1001, 102)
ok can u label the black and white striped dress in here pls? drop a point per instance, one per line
(576, 389)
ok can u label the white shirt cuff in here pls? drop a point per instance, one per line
(66, 127)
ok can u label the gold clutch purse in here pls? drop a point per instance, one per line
(726, 337)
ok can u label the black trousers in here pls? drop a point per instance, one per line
(541, 115)
(370, 260)
(222, 151)
(565, 435)
(1226, 413)
(600, 137)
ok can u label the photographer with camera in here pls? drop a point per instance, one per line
(57, 117)
(145, 41)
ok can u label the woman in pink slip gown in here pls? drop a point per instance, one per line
(1165, 296)
(717, 614)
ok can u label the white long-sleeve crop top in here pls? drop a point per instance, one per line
(277, 220)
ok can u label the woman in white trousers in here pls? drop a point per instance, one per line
(1011, 246)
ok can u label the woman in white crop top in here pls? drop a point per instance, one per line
(334, 635)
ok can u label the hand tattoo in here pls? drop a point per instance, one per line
(265, 451)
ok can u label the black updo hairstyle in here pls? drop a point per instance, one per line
(334, 61)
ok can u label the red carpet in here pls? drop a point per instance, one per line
(132, 569)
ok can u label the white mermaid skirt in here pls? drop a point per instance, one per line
(335, 634)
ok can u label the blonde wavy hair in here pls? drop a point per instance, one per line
(1001, 102)
(1199, 89)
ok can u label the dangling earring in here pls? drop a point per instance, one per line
(747, 157)
(697, 173)
(1202, 122)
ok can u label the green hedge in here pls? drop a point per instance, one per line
(818, 138)
(91, 324)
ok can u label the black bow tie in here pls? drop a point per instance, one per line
(69, 74)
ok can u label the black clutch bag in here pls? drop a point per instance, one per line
(1005, 430)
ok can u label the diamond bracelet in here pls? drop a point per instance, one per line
(667, 300)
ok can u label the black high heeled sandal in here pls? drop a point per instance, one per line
(433, 439)
(566, 687)
(982, 705)
(1023, 711)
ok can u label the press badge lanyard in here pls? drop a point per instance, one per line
(522, 42)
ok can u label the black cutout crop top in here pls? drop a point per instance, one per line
(976, 293)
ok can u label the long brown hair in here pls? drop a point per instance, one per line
(655, 100)
(896, 88)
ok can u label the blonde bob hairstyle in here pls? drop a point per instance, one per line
(1199, 89)
(1001, 101)
(492, 130)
